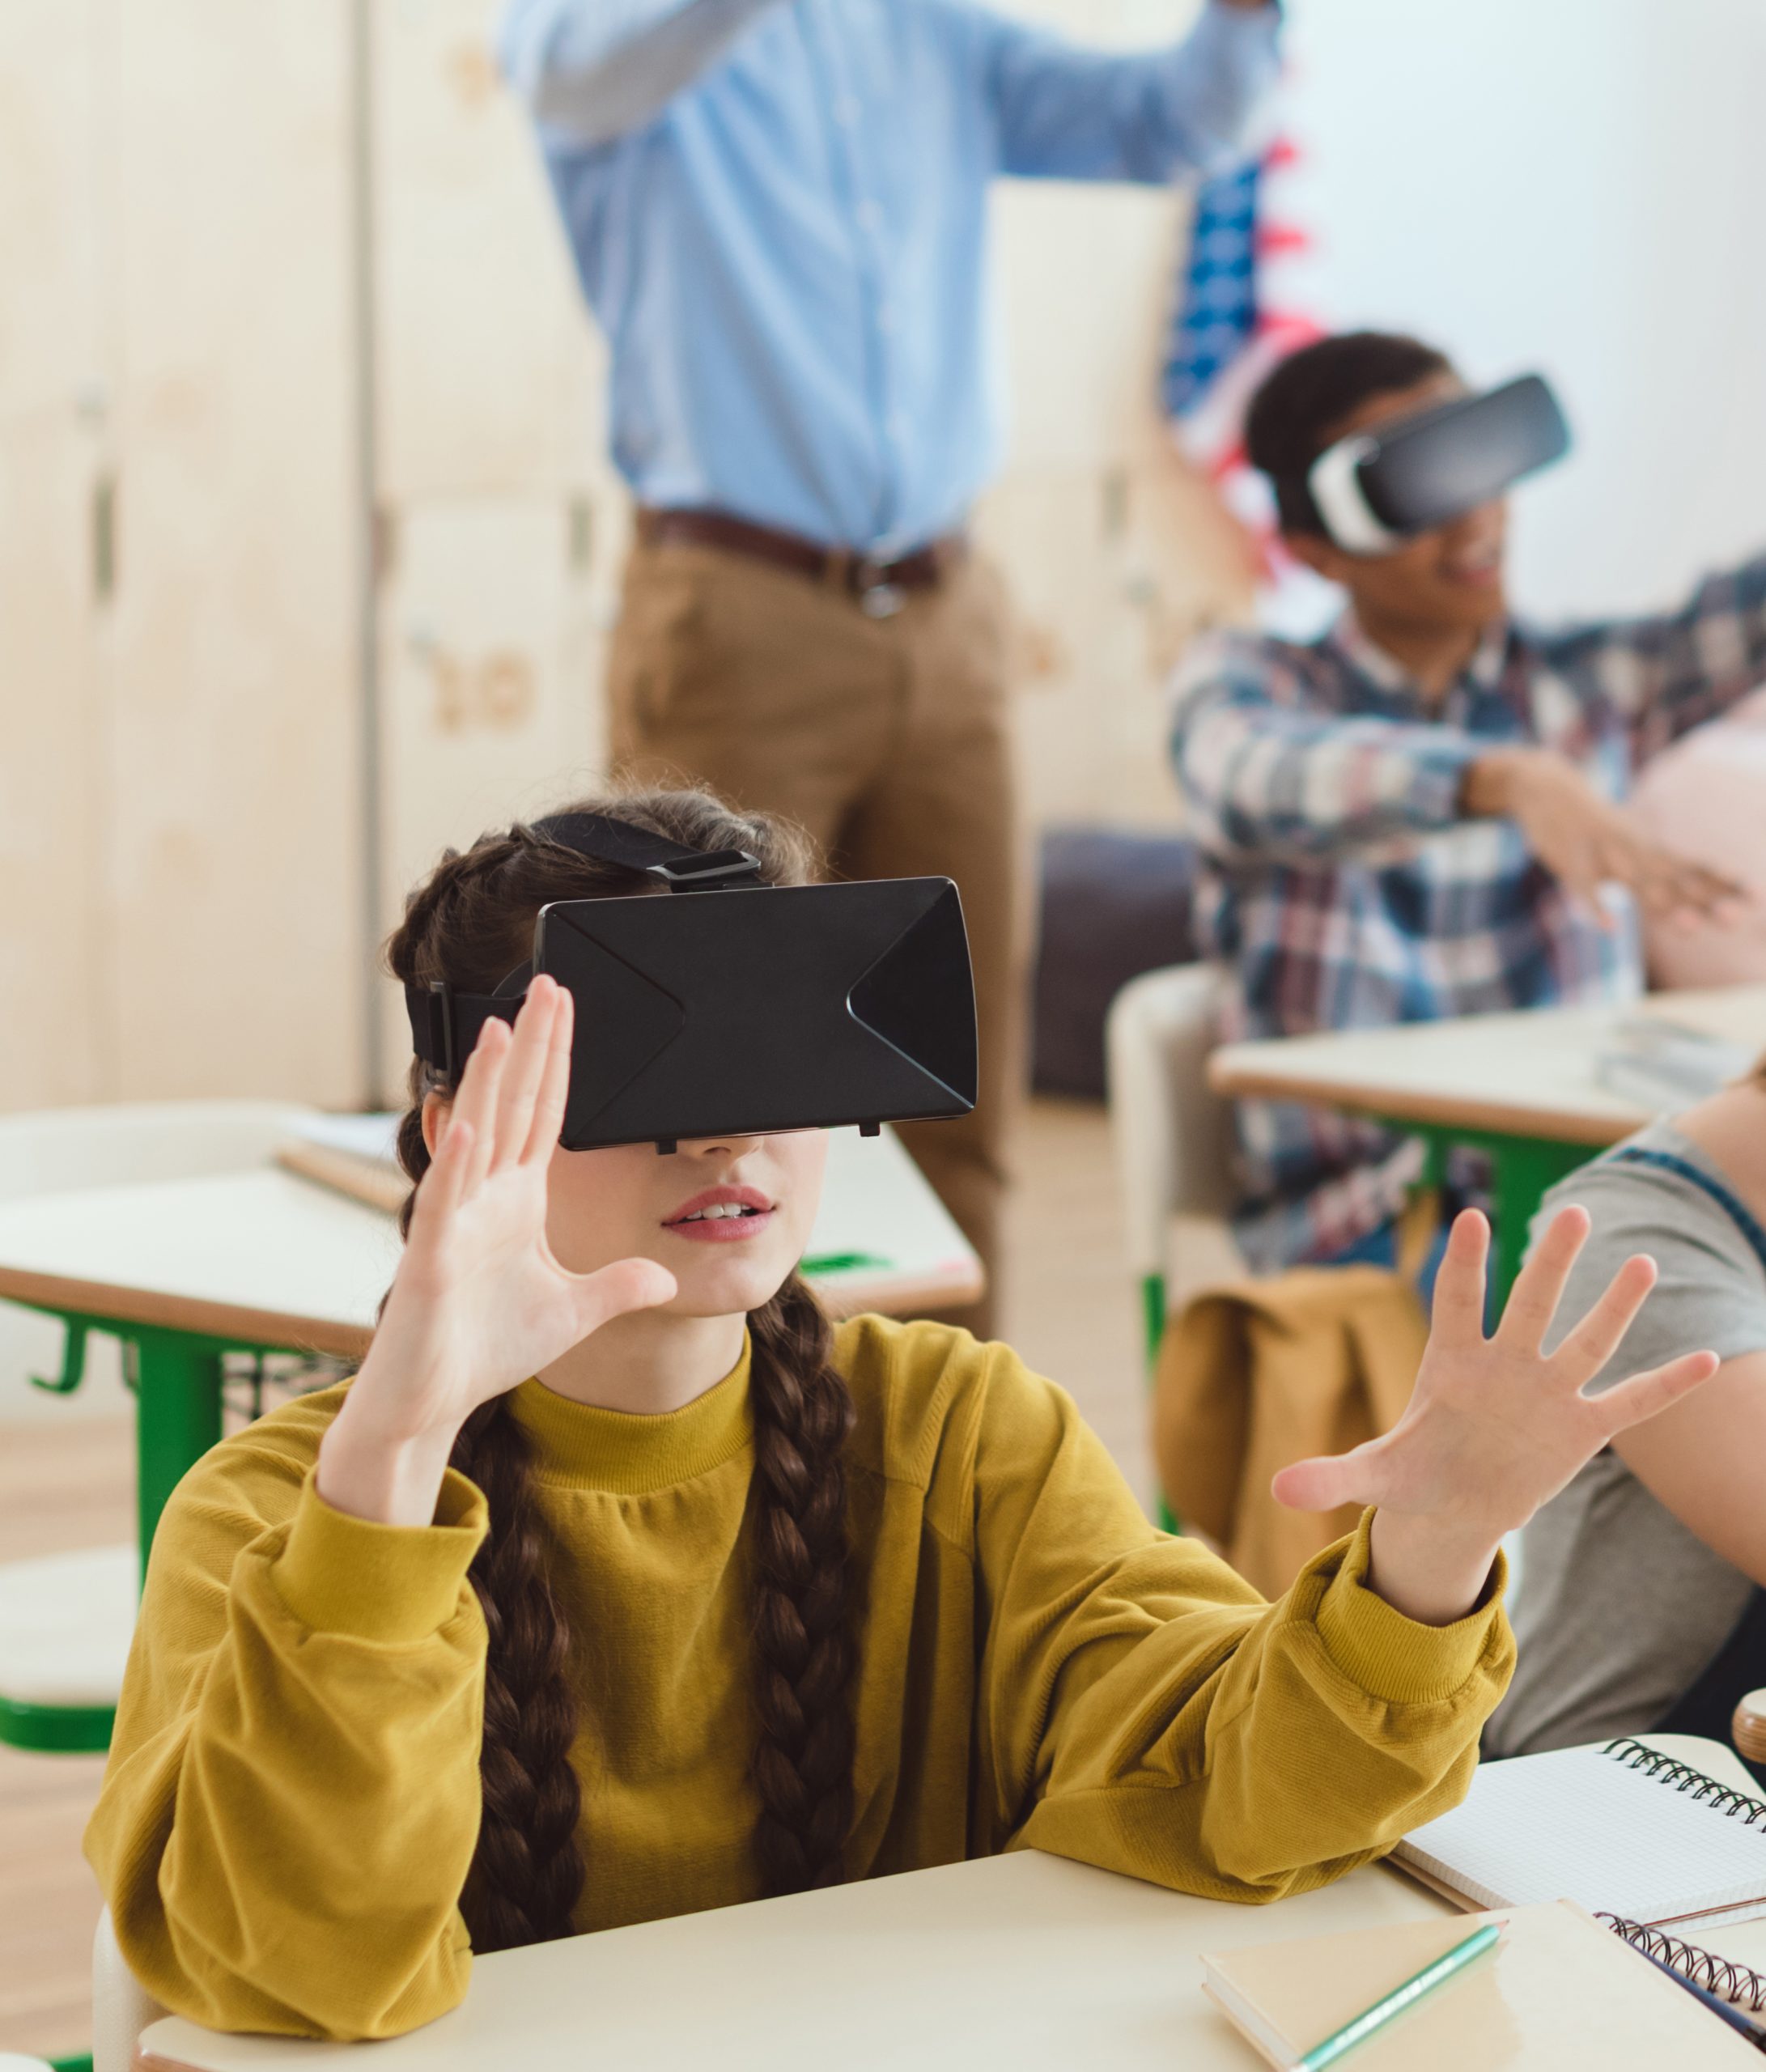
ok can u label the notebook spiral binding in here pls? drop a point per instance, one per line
(1683, 1777)
(1734, 1983)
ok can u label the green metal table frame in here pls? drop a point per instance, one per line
(175, 1378)
(1523, 1170)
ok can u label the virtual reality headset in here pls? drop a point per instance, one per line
(742, 1009)
(1373, 490)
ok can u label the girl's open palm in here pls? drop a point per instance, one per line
(1495, 1426)
(480, 1302)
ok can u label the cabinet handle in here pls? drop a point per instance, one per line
(105, 538)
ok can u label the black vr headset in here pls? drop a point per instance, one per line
(768, 1008)
(1373, 490)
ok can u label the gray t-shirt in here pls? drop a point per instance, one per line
(1620, 1607)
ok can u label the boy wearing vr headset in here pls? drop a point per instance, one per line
(1413, 816)
(618, 1583)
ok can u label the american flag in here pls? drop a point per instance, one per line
(1235, 316)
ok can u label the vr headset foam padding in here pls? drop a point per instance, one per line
(1373, 490)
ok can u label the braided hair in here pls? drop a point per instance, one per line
(469, 923)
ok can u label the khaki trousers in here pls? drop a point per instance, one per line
(889, 740)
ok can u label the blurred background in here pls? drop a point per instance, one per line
(309, 547)
(308, 544)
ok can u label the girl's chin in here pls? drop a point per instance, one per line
(715, 1284)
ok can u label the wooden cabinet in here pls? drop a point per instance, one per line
(234, 781)
(180, 553)
(309, 544)
(53, 369)
(503, 525)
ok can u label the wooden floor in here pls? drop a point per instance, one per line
(1070, 1309)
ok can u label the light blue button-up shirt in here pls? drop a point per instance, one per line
(779, 212)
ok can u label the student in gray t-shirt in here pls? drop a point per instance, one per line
(1640, 1603)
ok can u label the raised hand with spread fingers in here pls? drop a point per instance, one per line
(1496, 1425)
(480, 1301)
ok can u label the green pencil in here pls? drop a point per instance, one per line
(1402, 1996)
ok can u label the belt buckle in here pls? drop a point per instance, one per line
(878, 598)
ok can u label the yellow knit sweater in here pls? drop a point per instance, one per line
(292, 1797)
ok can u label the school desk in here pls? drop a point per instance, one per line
(1024, 1960)
(185, 1270)
(1520, 1087)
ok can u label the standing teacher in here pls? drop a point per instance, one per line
(779, 214)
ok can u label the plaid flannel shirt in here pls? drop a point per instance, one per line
(1344, 888)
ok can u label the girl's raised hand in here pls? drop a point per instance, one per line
(1494, 1427)
(480, 1302)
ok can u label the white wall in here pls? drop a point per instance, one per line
(1579, 185)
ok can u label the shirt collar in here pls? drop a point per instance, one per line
(1482, 673)
(615, 1449)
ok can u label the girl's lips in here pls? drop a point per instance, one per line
(722, 1229)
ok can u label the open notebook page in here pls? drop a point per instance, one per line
(1579, 1824)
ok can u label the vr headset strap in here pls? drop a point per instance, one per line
(445, 1025)
(631, 848)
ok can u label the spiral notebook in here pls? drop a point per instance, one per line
(1558, 1992)
(1621, 1830)
(1738, 1984)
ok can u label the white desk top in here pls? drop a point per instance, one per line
(1527, 1075)
(1023, 1960)
(268, 1257)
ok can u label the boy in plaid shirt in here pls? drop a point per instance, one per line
(1413, 816)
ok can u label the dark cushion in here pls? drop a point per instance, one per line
(1113, 906)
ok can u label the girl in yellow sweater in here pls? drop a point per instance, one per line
(617, 1584)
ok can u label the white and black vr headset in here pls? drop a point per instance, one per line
(1375, 489)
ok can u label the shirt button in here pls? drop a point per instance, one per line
(885, 319)
(869, 215)
(846, 111)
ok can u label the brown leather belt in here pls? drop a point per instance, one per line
(880, 587)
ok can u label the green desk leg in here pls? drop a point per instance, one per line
(1523, 1171)
(1153, 1318)
(1526, 1169)
(177, 1413)
(1152, 1315)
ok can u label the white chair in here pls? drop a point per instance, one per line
(65, 1624)
(121, 2006)
(66, 1619)
(1173, 1133)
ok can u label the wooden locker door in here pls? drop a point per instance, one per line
(505, 525)
(236, 873)
(52, 1043)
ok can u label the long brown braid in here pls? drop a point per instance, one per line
(469, 923)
